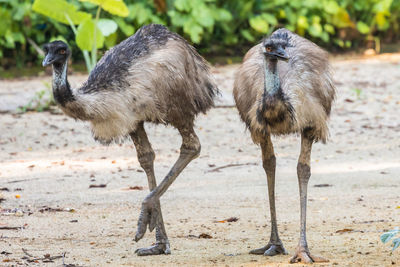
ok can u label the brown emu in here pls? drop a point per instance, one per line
(152, 76)
(284, 86)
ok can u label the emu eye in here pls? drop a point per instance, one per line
(62, 52)
(268, 49)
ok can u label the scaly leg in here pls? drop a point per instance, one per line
(302, 253)
(149, 214)
(146, 159)
(274, 245)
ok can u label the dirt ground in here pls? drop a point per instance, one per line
(48, 162)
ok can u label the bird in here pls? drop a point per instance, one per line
(284, 86)
(153, 76)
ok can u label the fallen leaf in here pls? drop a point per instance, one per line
(322, 185)
(97, 185)
(345, 230)
(113, 162)
(136, 187)
(206, 236)
(231, 219)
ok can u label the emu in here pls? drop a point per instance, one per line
(284, 86)
(153, 76)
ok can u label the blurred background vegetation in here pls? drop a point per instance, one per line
(215, 27)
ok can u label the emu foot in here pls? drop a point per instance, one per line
(270, 250)
(148, 217)
(157, 249)
(303, 255)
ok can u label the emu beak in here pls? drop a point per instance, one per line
(281, 54)
(48, 60)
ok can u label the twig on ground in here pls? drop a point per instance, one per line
(11, 227)
(231, 165)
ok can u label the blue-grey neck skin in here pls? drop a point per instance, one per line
(61, 89)
(271, 77)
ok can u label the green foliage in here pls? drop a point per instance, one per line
(386, 237)
(212, 25)
(91, 32)
(61, 11)
(115, 7)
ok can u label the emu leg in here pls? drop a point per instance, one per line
(274, 245)
(302, 253)
(149, 214)
(146, 157)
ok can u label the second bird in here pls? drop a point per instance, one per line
(284, 86)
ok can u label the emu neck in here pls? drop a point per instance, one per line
(61, 89)
(271, 77)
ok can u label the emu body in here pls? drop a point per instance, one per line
(284, 86)
(153, 76)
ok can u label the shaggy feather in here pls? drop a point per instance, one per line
(306, 89)
(153, 76)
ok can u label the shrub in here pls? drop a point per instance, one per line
(212, 25)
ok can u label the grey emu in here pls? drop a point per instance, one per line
(284, 86)
(152, 76)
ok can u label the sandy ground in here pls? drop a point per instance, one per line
(49, 162)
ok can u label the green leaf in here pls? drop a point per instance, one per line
(221, 14)
(247, 35)
(194, 30)
(115, 7)
(342, 19)
(107, 26)
(85, 36)
(259, 24)
(127, 29)
(315, 30)
(5, 21)
(58, 9)
(362, 27)
(385, 237)
(302, 22)
(203, 16)
(331, 7)
(111, 40)
(396, 243)
(182, 5)
(269, 18)
(178, 19)
(329, 28)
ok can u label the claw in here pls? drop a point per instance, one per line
(148, 216)
(275, 250)
(303, 255)
(157, 249)
(270, 250)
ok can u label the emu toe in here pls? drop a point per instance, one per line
(303, 255)
(270, 250)
(148, 217)
(157, 249)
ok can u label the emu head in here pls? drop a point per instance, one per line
(56, 52)
(274, 46)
